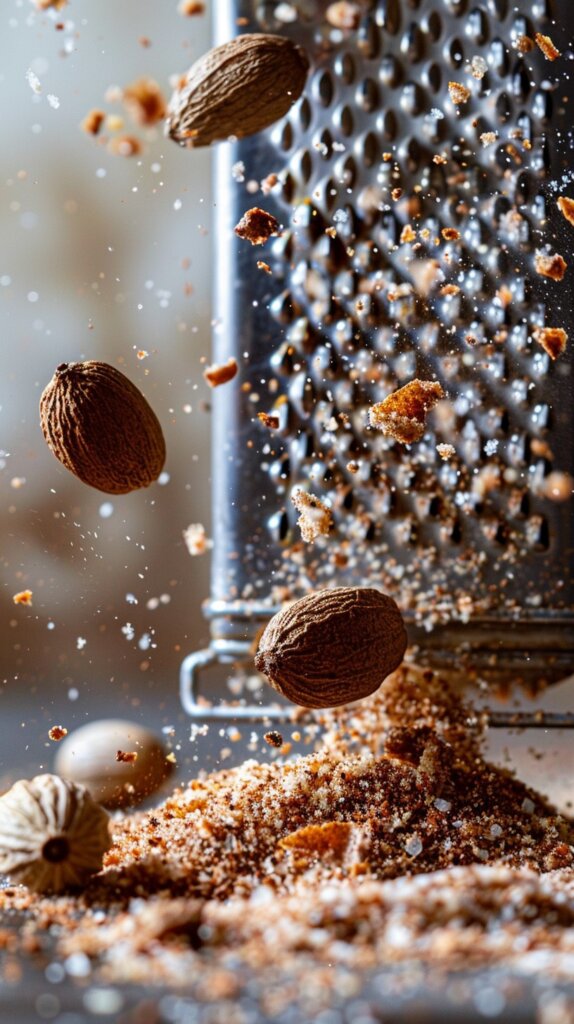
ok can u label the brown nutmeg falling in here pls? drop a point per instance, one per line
(332, 647)
(101, 428)
(237, 89)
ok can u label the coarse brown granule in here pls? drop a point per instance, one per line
(57, 733)
(269, 183)
(257, 226)
(488, 138)
(343, 14)
(23, 597)
(44, 5)
(93, 121)
(458, 93)
(551, 265)
(552, 339)
(273, 738)
(566, 207)
(408, 234)
(144, 101)
(548, 48)
(272, 422)
(524, 44)
(262, 265)
(220, 373)
(315, 519)
(127, 756)
(191, 8)
(450, 234)
(402, 414)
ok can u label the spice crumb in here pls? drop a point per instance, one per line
(273, 738)
(23, 597)
(458, 93)
(402, 414)
(220, 373)
(57, 733)
(548, 48)
(315, 519)
(127, 756)
(257, 226)
(566, 207)
(551, 265)
(552, 339)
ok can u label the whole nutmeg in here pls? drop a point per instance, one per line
(332, 647)
(101, 427)
(90, 755)
(237, 89)
(53, 835)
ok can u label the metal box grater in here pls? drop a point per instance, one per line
(474, 550)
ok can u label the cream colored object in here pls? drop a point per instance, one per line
(52, 834)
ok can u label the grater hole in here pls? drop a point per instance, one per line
(412, 99)
(498, 8)
(413, 43)
(323, 88)
(304, 114)
(303, 165)
(499, 61)
(367, 95)
(433, 26)
(477, 26)
(345, 68)
(347, 172)
(370, 149)
(454, 53)
(368, 40)
(542, 105)
(503, 110)
(389, 15)
(286, 136)
(390, 126)
(456, 7)
(433, 77)
(390, 71)
(345, 121)
(520, 82)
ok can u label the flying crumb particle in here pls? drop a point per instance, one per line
(142, 354)
(272, 422)
(23, 597)
(261, 265)
(57, 733)
(196, 540)
(273, 738)
(550, 265)
(552, 339)
(458, 93)
(545, 44)
(488, 138)
(315, 519)
(144, 101)
(450, 234)
(446, 451)
(127, 756)
(125, 145)
(191, 8)
(524, 44)
(566, 207)
(256, 226)
(402, 414)
(171, 758)
(343, 14)
(220, 373)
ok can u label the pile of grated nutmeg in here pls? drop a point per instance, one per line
(393, 842)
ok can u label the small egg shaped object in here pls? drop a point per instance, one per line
(332, 647)
(89, 756)
(101, 428)
(237, 89)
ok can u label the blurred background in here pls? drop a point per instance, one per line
(102, 256)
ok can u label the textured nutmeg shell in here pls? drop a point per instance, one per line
(237, 89)
(332, 647)
(101, 427)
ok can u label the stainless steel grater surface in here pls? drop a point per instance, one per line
(374, 163)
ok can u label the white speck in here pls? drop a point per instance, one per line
(53, 100)
(101, 172)
(442, 805)
(436, 114)
(414, 846)
(5, 280)
(78, 965)
(34, 82)
(50, 625)
(81, 643)
(33, 296)
(131, 599)
(128, 631)
(496, 830)
(177, 204)
(478, 67)
(103, 1001)
(238, 171)
(527, 805)
(491, 447)
(73, 693)
(144, 642)
(285, 13)
(106, 509)
(163, 479)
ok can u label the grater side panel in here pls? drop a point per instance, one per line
(344, 320)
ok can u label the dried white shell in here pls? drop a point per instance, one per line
(52, 834)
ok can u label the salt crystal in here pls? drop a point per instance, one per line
(33, 82)
(413, 846)
(53, 101)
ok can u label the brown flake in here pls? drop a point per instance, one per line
(550, 265)
(145, 101)
(548, 48)
(315, 519)
(127, 756)
(93, 121)
(402, 415)
(552, 339)
(23, 597)
(257, 226)
(273, 739)
(220, 373)
(57, 733)
(566, 207)
(458, 93)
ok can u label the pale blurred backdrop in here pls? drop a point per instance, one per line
(101, 256)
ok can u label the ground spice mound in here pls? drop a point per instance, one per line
(397, 788)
